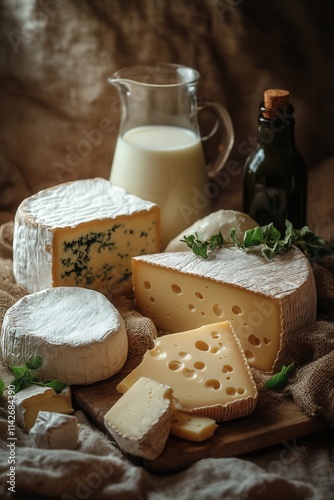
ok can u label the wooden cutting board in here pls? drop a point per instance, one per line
(274, 421)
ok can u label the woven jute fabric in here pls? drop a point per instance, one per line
(311, 349)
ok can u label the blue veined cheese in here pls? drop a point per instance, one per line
(82, 233)
(264, 300)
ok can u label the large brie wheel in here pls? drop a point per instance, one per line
(77, 332)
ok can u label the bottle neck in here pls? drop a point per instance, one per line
(276, 127)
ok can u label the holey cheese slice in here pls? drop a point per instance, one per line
(82, 233)
(263, 299)
(77, 332)
(205, 367)
(140, 420)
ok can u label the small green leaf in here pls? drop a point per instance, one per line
(234, 238)
(20, 371)
(24, 377)
(2, 387)
(20, 384)
(280, 379)
(216, 240)
(56, 385)
(35, 363)
(253, 237)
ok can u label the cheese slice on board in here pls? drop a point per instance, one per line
(191, 427)
(205, 367)
(263, 299)
(77, 332)
(140, 420)
(54, 431)
(33, 399)
(82, 233)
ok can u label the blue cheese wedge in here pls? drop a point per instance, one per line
(82, 233)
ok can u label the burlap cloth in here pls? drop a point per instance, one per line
(98, 470)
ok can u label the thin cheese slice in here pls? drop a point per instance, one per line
(191, 427)
(140, 420)
(33, 399)
(78, 333)
(206, 369)
(263, 299)
(82, 233)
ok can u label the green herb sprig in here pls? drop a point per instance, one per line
(280, 379)
(200, 247)
(264, 239)
(24, 377)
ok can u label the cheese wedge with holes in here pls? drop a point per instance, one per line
(191, 427)
(205, 367)
(33, 399)
(265, 300)
(78, 333)
(82, 233)
(140, 420)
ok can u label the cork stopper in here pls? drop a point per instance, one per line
(275, 99)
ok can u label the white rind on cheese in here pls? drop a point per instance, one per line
(221, 220)
(140, 420)
(205, 367)
(264, 300)
(82, 233)
(77, 332)
(54, 431)
(35, 398)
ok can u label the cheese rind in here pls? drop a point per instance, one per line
(82, 233)
(263, 299)
(192, 427)
(77, 332)
(54, 431)
(33, 399)
(205, 367)
(140, 420)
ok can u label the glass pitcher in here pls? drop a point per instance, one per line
(159, 155)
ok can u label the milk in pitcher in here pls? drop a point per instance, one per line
(166, 165)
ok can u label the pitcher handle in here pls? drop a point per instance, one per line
(227, 135)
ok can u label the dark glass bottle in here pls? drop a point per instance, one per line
(275, 175)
